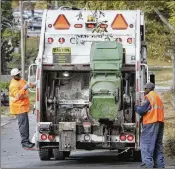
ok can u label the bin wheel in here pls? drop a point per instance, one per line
(58, 155)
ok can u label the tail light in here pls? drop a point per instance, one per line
(122, 137)
(130, 137)
(118, 39)
(51, 137)
(50, 40)
(61, 40)
(129, 40)
(43, 137)
(50, 25)
(86, 124)
(78, 25)
(90, 25)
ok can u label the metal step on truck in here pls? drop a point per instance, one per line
(90, 72)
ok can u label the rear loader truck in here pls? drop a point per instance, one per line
(90, 72)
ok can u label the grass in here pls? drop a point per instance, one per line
(169, 144)
(163, 75)
(5, 110)
(158, 62)
(169, 133)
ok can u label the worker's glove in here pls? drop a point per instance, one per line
(30, 85)
(34, 84)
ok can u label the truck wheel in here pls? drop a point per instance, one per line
(58, 155)
(44, 154)
(137, 156)
(66, 153)
(124, 156)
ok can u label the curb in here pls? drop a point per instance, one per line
(6, 119)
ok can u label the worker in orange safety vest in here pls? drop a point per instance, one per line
(151, 142)
(20, 105)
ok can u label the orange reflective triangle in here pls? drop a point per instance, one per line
(119, 22)
(61, 22)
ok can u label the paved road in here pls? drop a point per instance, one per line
(13, 156)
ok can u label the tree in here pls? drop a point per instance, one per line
(9, 37)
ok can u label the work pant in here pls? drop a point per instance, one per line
(23, 123)
(152, 145)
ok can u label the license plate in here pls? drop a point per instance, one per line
(61, 50)
(62, 54)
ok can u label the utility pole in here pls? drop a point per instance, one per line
(22, 41)
(56, 4)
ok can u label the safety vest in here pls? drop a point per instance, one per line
(18, 97)
(156, 113)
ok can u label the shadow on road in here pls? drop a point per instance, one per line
(109, 158)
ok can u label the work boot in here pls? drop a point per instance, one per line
(28, 145)
(31, 143)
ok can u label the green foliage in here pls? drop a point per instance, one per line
(32, 97)
(32, 45)
(15, 61)
(41, 5)
(15, 4)
(31, 53)
(4, 85)
(9, 36)
(171, 6)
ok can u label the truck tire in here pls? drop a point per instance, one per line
(58, 155)
(66, 153)
(44, 154)
(130, 156)
(137, 156)
(124, 156)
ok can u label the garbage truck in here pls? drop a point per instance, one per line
(90, 72)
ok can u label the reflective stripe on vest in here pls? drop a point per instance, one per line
(156, 107)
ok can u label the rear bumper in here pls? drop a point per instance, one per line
(89, 138)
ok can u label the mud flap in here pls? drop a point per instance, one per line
(67, 133)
